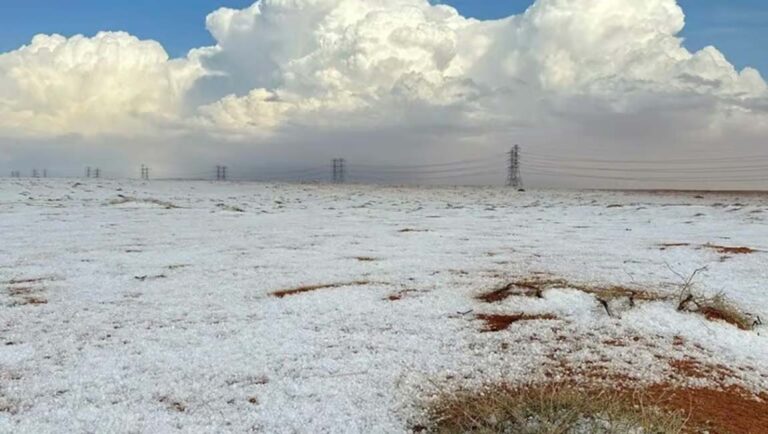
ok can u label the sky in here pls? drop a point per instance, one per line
(587, 83)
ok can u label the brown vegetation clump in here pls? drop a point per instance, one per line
(309, 288)
(545, 410)
(497, 323)
(570, 408)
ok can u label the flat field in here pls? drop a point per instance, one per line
(168, 306)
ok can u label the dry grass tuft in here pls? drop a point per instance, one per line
(309, 288)
(546, 410)
(497, 323)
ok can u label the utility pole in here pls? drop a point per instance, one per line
(339, 171)
(514, 179)
(144, 172)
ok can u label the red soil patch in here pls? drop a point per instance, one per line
(717, 410)
(309, 288)
(729, 411)
(692, 368)
(497, 323)
(730, 250)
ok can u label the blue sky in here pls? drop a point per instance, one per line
(739, 28)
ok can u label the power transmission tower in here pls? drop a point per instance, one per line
(35, 174)
(88, 172)
(15, 174)
(45, 173)
(339, 171)
(514, 179)
(97, 173)
(144, 172)
(221, 173)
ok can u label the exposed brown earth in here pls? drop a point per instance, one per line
(309, 288)
(497, 323)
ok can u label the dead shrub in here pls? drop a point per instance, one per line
(717, 308)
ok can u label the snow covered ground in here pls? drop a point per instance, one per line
(130, 306)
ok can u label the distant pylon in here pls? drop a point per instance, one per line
(514, 179)
(88, 172)
(338, 175)
(221, 173)
(144, 172)
(97, 173)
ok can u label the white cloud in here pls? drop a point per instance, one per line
(310, 60)
(111, 83)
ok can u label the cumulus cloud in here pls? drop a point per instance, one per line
(309, 61)
(111, 83)
(613, 71)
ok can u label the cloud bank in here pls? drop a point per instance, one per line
(418, 77)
